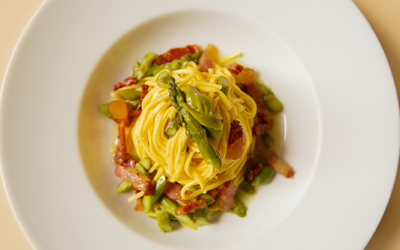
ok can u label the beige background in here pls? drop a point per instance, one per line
(384, 17)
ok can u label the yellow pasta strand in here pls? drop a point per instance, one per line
(136, 196)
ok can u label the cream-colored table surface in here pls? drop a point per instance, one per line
(384, 17)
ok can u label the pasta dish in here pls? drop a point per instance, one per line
(190, 133)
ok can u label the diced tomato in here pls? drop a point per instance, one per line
(235, 148)
(192, 205)
(137, 179)
(175, 53)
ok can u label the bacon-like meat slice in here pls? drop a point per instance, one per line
(254, 91)
(192, 205)
(274, 160)
(225, 205)
(205, 63)
(207, 58)
(262, 127)
(235, 68)
(246, 80)
(256, 169)
(137, 179)
(228, 190)
(226, 197)
(259, 129)
(138, 110)
(172, 190)
(235, 148)
(145, 90)
(121, 157)
(214, 192)
(265, 122)
(175, 53)
(130, 80)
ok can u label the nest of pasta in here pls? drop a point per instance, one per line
(190, 133)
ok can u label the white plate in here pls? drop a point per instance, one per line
(322, 59)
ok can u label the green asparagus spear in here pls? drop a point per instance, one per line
(104, 110)
(190, 57)
(128, 93)
(177, 98)
(174, 65)
(155, 68)
(173, 126)
(213, 134)
(169, 206)
(202, 217)
(202, 104)
(123, 186)
(163, 221)
(247, 187)
(141, 169)
(140, 70)
(224, 83)
(135, 104)
(264, 176)
(208, 120)
(273, 103)
(268, 139)
(209, 198)
(198, 100)
(270, 100)
(240, 209)
(148, 201)
(145, 162)
(162, 79)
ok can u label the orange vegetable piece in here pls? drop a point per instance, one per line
(120, 112)
(211, 52)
